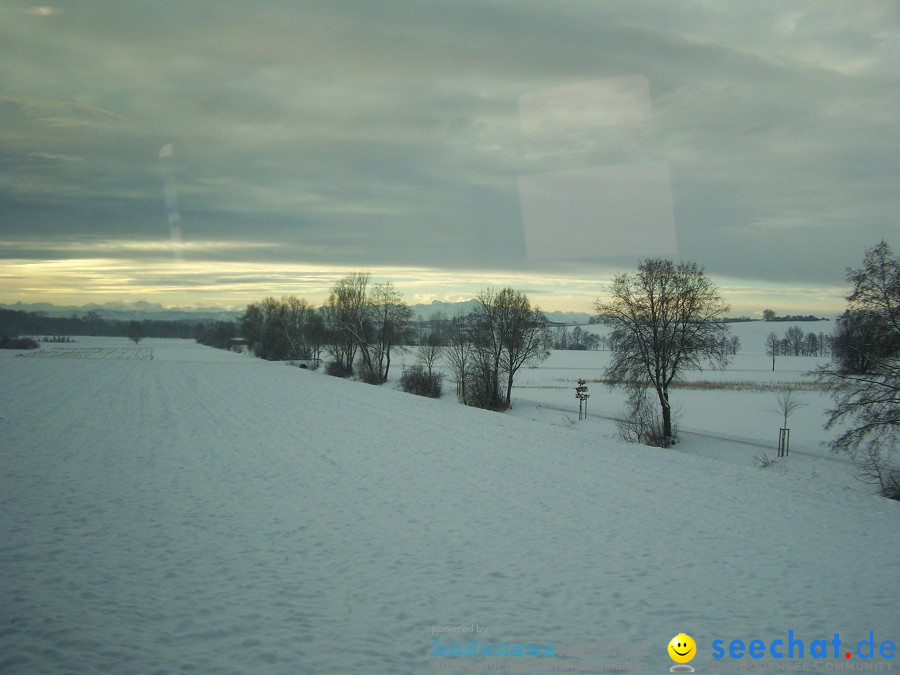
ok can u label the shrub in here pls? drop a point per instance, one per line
(7, 342)
(891, 488)
(218, 335)
(879, 466)
(370, 376)
(641, 422)
(765, 461)
(480, 392)
(338, 369)
(416, 380)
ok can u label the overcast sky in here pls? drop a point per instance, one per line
(216, 152)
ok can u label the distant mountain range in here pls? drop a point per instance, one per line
(141, 309)
(452, 308)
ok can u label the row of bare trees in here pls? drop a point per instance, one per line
(359, 321)
(362, 324)
(289, 328)
(795, 342)
(665, 318)
(578, 339)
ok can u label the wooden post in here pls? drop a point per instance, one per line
(784, 442)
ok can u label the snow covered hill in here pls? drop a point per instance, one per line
(206, 511)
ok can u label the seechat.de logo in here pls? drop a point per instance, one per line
(682, 649)
(795, 647)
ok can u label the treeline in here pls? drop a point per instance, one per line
(7, 342)
(769, 315)
(219, 334)
(19, 322)
(361, 326)
(795, 342)
(578, 339)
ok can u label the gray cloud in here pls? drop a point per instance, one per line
(389, 133)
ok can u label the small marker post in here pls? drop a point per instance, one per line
(582, 396)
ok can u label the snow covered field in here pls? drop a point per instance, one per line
(733, 416)
(209, 512)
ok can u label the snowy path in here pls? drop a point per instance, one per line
(210, 512)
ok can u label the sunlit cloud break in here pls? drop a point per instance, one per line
(43, 10)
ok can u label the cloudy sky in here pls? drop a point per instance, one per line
(215, 152)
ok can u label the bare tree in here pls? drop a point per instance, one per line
(787, 405)
(487, 336)
(867, 402)
(260, 324)
(345, 314)
(134, 331)
(282, 329)
(862, 338)
(562, 337)
(421, 378)
(794, 336)
(365, 321)
(429, 350)
(527, 336)
(772, 346)
(460, 353)
(811, 344)
(876, 286)
(507, 333)
(297, 323)
(665, 319)
(387, 325)
(577, 337)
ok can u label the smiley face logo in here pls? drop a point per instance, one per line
(682, 648)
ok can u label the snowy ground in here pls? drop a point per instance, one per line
(737, 424)
(209, 512)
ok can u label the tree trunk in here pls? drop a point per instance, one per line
(666, 416)
(496, 396)
(368, 367)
